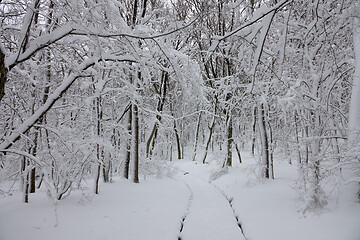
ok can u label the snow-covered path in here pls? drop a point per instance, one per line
(209, 215)
(184, 206)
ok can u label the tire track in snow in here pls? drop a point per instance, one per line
(229, 200)
(194, 227)
(187, 208)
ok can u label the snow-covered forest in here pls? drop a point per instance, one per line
(180, 119)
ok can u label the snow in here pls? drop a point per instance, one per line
(123, 210)
(200, 201)
(207, 209)
(37, 44)
(67, 82)
(269, 210)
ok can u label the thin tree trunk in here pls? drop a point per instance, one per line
(196, 137)
(264, 141)
(238, 153)
(297, 138)
(136, 143)
(162, 94)
(306, 145)
(177, 140)
(3, 74)
(24, 179)
(229, 140)
(128, 145)
(98, 148)
(270, 144)
(211, 130)
(150, 140)
(32, 180)
(253, 131)
(26, 187)
(271, 150)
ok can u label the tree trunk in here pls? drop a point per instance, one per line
(196, 136)
(98, 147)
(160, 106)
(32, 180)
(270, 145)
(26, 187)
(151, 140)
(3, 74)
(297, 138)
(177, 140)
(238, 153)
(211, 130)
(136, 142)
(229, 140)
(25, 178)
(253, 131)
(128, 145)
(264, 141)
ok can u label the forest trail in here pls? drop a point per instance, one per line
(209, 214)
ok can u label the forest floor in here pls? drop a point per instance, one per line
(197, 201)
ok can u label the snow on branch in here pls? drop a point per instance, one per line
(22, 153)
(258, 14)
(97, 33)
(56, 95)
(72, 29)
(38, 44)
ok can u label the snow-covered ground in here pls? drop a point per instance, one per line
(197, 202)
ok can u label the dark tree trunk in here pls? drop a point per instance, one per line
(177, 140)
(196, 137)
(150, 144)
(229, 140)
(238, 153)
(253, 131)
(128, 145)
(136, 143)
(98, 147)
(211, 130)
(297, 139)
(25, 179)
(3, 74)
(264, 141)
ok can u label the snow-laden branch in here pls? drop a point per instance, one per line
(72, 29)
(57, 94)
(258, 14)
(38, 44)
(263, 33)
(25, 29)
(96, 32)
(22, 153)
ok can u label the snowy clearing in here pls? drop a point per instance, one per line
(198, 202)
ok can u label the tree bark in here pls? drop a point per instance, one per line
(128, 144)
(196, 136)
(211, 130)
(177, 141)
(253, 131)
(238, 153)
(98, 147)
(3, 73)
(150, 144)
(264, 141)
(229, 140)
(136, 143)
